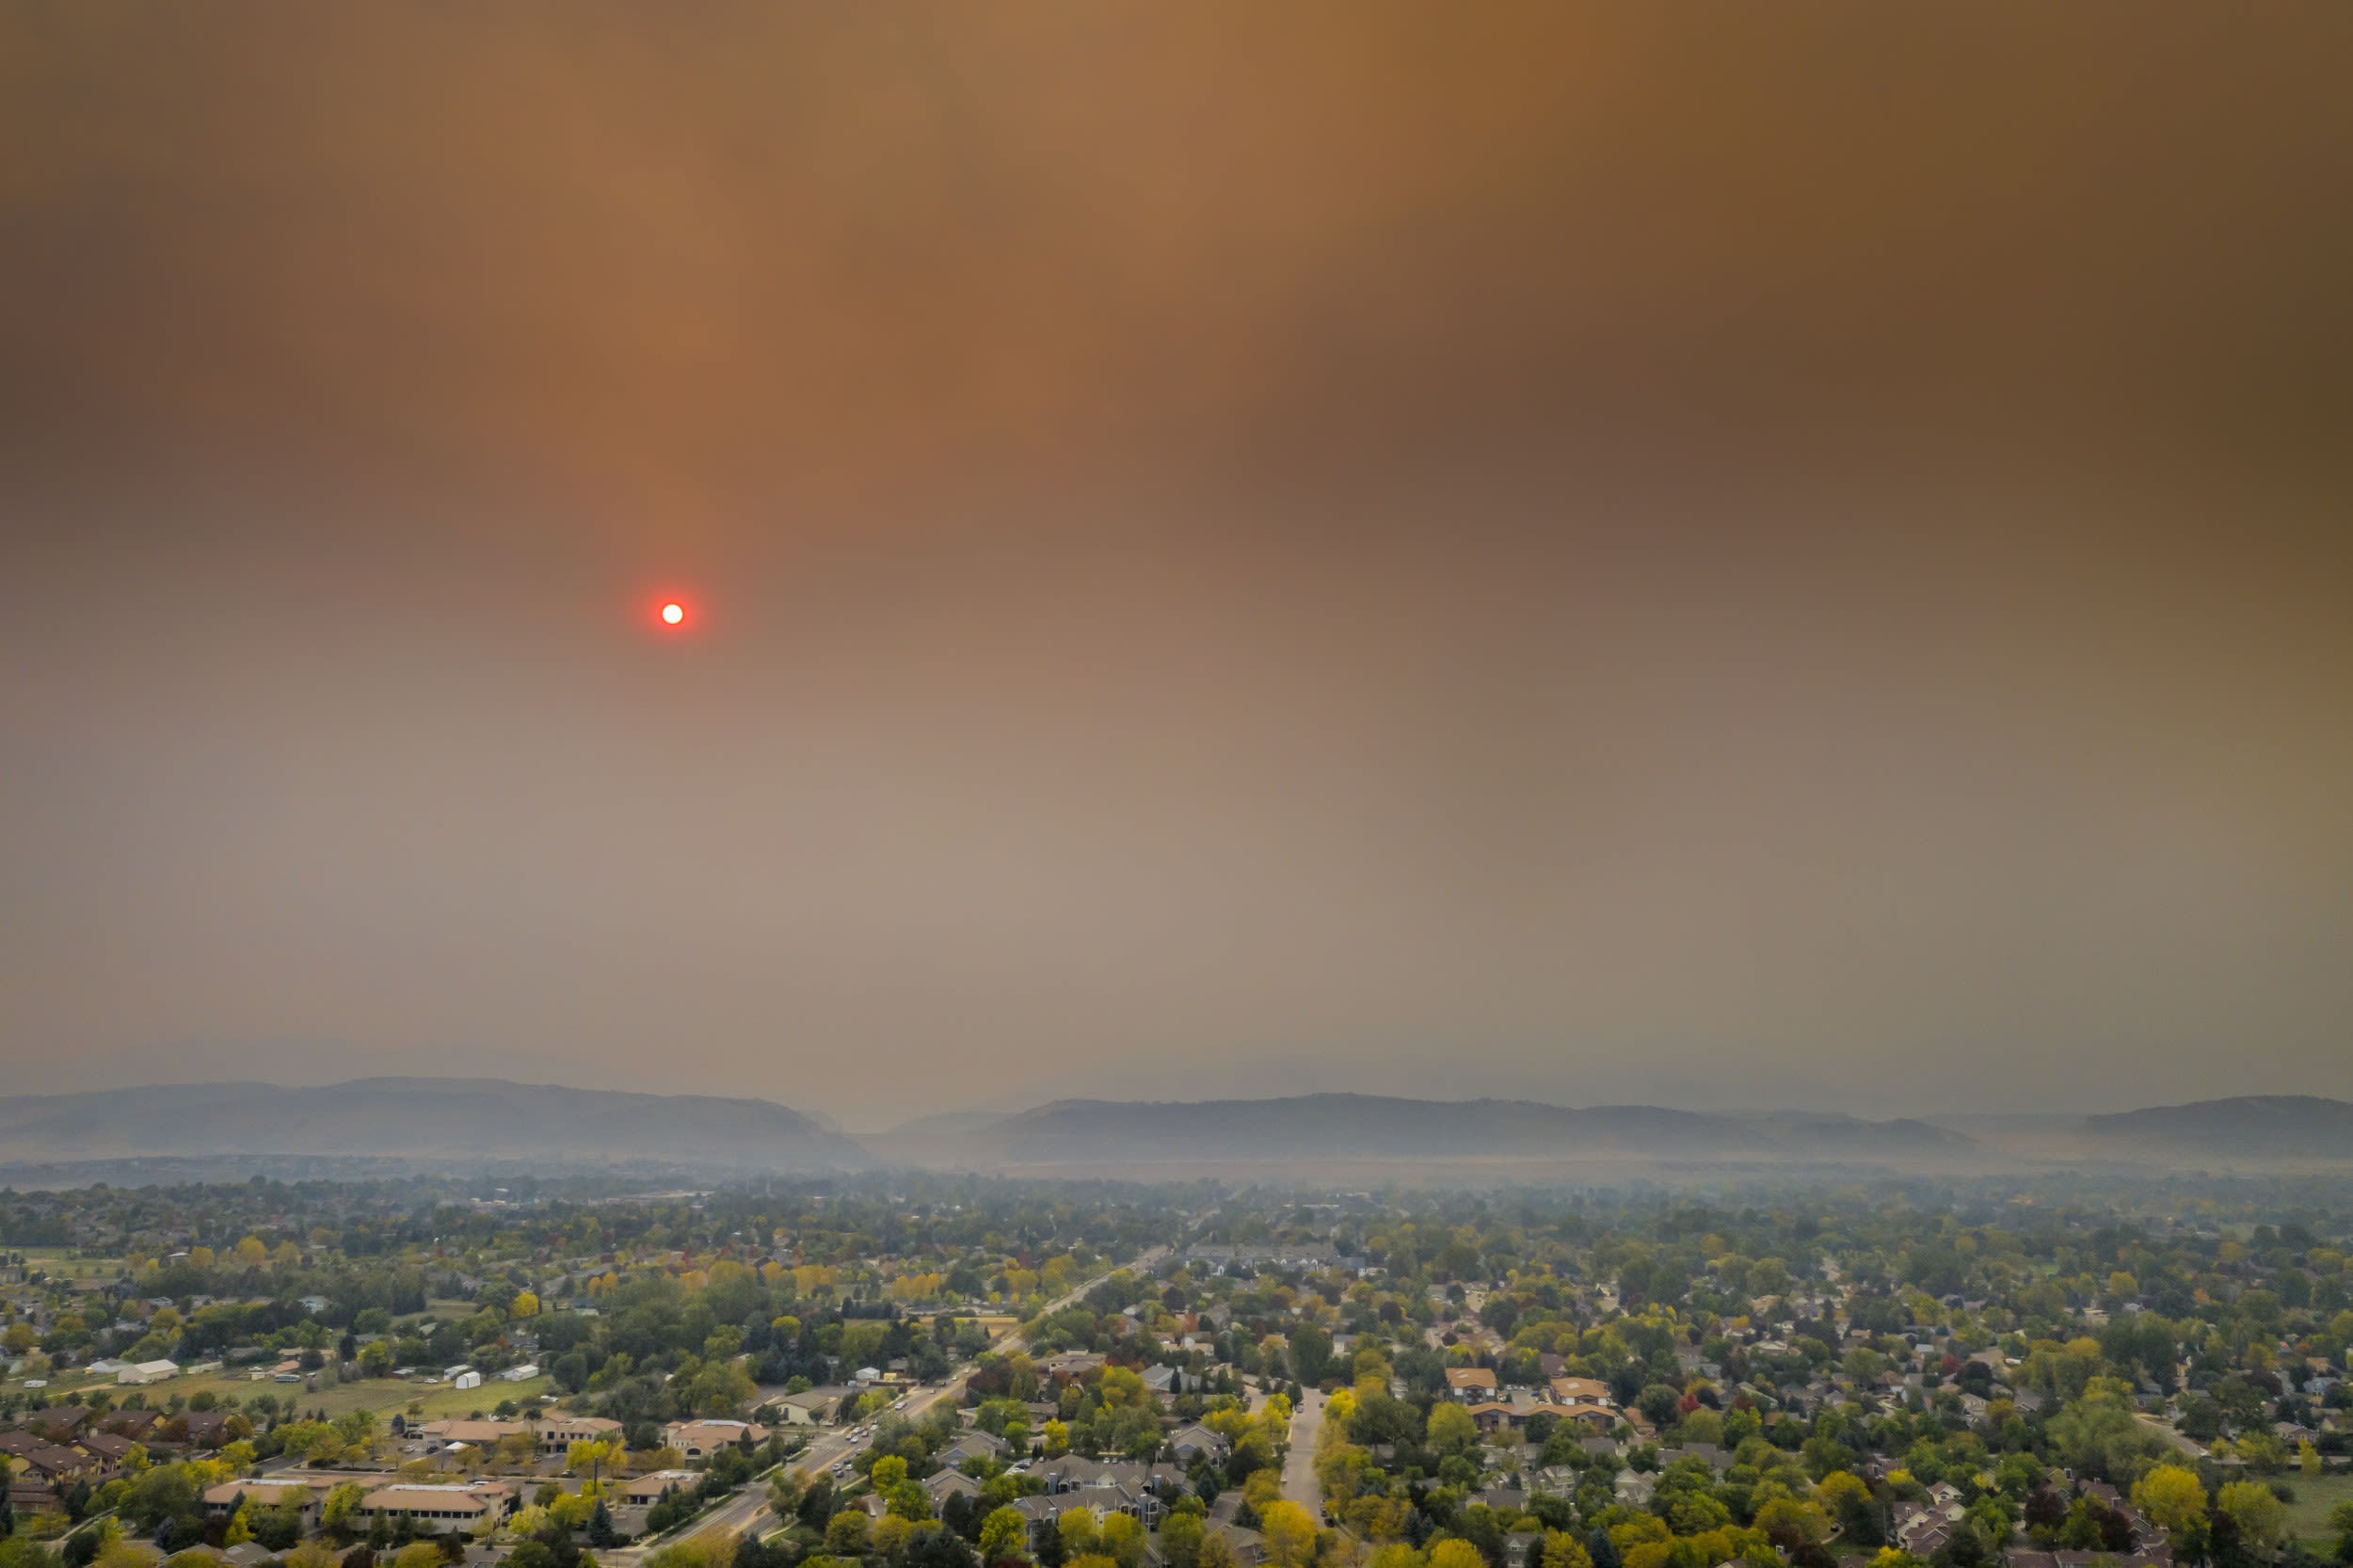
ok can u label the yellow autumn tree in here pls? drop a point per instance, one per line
(2171, 1497)
(1290, 1535)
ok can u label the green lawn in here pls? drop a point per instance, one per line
(2308, 1516)
(384, 1396)
(59, 1263)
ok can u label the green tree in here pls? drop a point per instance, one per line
(2099, 1433)
(1004, 1534)
(720, 1388)
(2261, 1518)
(1122, 1539)
(1180, 1540)
(1562, 1549)
(1452, 1429)
(845, 1534)
(1075, 1527)
(1310, 1352)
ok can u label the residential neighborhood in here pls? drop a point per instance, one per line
(994, 784)
(913, 1369)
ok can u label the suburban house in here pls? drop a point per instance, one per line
(222, 1501)
(54, 1464)
(447, 1507)
(1470, 1384)
(1106, 1486)
(1186, 1441)
(647, 1490)
(1495, 1416)
(309, 1488)
(111, 1449)
(203, 1429)
(557, 1435)
(1040, 1515)
(1247, 1546)
(949, 1483)
(698, 1439)
(60, 1423)
(133, 1424)
(1594, 1420)
(480, 1435)
(972, 1445)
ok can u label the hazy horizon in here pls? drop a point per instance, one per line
(1799, 558)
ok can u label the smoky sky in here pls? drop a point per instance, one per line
(1725, 555)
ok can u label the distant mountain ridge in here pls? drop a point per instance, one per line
(1373, 1127)
(421, 1118)
(424, 1120)
(2248, 1126)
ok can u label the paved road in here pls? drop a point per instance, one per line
(1299, 1467)
(748, 1509)
(2164, 1430)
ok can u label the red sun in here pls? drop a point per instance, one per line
(674, 614)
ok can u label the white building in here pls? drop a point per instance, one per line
(524, 1373)
(147, 1371)
(468, 1379)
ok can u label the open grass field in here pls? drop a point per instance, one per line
(383, 1396)
(2315, 1496)
(63, 1263)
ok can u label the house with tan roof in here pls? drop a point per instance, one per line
(453, 1506)
(1496, 1416)
(559, 1433)
(479, 1434)
(695, 1439)
(219, 1501)
(647, 1489)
